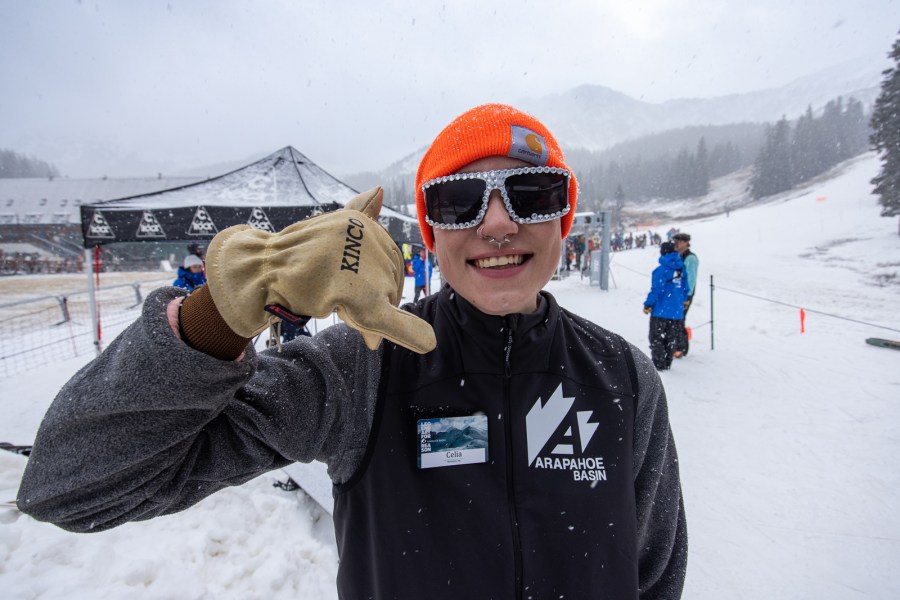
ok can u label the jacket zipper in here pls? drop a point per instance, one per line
(510, 481)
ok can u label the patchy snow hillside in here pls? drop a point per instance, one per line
(727, 193)
(789, 442)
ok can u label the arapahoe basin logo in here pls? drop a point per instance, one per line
(554, 426)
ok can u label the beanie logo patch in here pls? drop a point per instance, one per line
(528, 146)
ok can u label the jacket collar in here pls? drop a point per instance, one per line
(482, 338)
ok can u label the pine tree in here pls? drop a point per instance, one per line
(700, 183)
(856, 128)
(13, 164)
(590, 196)
(613, 176)
(773, 172)
(620, 204)
(724, 159)
(657, 177)
(681, 175)
(805, 148)
(830, 132)
(886, 137)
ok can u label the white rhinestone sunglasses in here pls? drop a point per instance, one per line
(530, 194)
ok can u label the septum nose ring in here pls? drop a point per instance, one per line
(491, 239)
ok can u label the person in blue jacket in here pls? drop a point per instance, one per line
(665, 305)
(190, 274)
(418, 266)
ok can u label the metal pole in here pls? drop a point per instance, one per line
(712, 326)
(92, 299)
(138, 298)
(64, 308)
(606, 224)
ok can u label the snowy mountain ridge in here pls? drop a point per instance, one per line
(595, 117)
(589, 116)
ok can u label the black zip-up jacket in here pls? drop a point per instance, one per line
(551, 513)
(109, 451)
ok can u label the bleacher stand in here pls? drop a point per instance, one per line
(44, 214)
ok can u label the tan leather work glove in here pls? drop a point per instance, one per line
(342, 260)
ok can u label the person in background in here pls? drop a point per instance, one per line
(190, 274)
(196, 249)
(579, 252)
(691, 266)
(483, 413)
(665, 304)
(419, 262)
(288, 331)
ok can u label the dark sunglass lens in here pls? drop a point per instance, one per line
(537, 194)
(454, 202)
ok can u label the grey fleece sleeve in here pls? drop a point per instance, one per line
(662, 529)
(152, 426)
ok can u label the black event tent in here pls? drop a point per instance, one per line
(269, 194)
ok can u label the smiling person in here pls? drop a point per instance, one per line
(494, 446)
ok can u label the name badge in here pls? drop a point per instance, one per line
(451, 441)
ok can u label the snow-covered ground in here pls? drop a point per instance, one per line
(789, 442)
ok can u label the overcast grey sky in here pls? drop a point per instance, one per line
(355, 85)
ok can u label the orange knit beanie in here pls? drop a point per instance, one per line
(490, 130)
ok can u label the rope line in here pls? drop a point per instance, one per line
(628, 269)
(809, 310)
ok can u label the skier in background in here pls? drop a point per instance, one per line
(665, 304)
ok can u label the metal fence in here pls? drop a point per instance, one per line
(43, 330)
(28, 265)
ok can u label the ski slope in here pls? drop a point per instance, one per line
(789, 442)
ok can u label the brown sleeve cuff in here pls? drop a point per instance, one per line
(204, 329)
